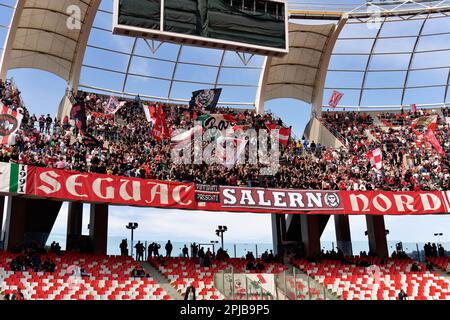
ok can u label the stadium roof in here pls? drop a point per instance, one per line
(405, 60)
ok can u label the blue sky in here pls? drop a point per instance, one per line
(42, 93)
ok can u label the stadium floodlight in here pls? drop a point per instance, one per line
(220, 231)
(386, 232)
(132, 226)
(439, 235)
(214, 242)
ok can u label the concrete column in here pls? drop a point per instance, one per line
(278, 232)
(377, 236)
(343, 236)
(74, 224)
(310, 225)
(15, 222)
(98, 228)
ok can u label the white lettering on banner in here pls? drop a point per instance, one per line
(278, 199)
(427, 206)
(446, 197)
(378, 205)
(296, 199)
(177, 197)
(316, 198)
(247, 198)
(161, 190)
(136, 196)
(49, 178)
(402, 201)
(262, 201)
(52, 183)
(355, 204)
(71, 184)
(229, 197)
(97, 188)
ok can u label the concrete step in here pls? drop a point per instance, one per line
(162, 281)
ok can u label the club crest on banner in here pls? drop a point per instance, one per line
(332, 200)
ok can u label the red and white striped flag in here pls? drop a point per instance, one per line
(376, 158)
(335, 99)
(10, 121)
(149, 112)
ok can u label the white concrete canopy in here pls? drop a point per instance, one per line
(301, 73)
(294, 75)
(49, 35)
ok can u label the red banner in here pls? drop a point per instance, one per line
(279, 200)
(237, 199)
(88, 187)
(97, 188)
(396, 203)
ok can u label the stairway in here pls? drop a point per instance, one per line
(330, 295)
(162, 281)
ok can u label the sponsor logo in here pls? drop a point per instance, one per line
(206, 197)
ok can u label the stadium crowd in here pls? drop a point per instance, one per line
(128, 149)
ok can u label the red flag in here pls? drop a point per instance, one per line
(149, 112)
(284, 133)
(160, 130)
(414, 108)
(431, 138)
(376, 158)
(425, 123)
(335, 99)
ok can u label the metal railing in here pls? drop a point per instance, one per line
(234, 250)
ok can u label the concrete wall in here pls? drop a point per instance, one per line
(317, 132)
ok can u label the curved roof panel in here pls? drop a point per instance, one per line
(398, 60)
(42, 37)
(294, 75)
